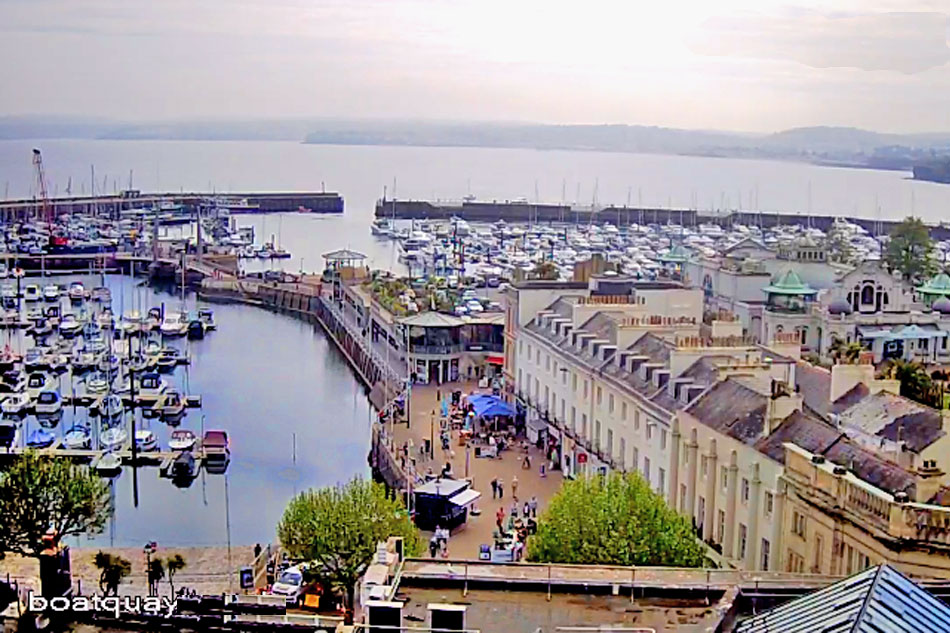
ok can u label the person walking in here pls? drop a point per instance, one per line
(526, 462)
(500, 517)
(501, 488)
(494, 488)
(527, 510)
(514, 510)
(533, 505)
(514, 487)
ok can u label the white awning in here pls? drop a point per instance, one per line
(466, 497)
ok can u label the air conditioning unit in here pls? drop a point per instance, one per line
(447, 617)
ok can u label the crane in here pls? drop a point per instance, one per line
(41, 190)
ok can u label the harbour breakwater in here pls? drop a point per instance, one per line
(112, 205)
(526, 212)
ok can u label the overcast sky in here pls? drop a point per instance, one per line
(757, 65)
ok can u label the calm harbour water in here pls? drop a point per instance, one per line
(265, 378)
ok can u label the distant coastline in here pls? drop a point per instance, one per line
(926, 156)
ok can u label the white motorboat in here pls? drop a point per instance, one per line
(145, 440)
(111, 408)
(48, 403)
(131, 323)
(206, 316)
(182, 440)
(15, 404)
(51, 293)
(32, 293)
(109, 465)
(78, 436)
(174, 406)
(175, 324)
(113, 436)
(152, 385)
(70, 326)
(76, 292)
(38, 382)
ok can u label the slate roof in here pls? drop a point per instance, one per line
(732, 408)
(895, 417)
(869, 467)
(876, 600)
(814, 383)
(803, 430)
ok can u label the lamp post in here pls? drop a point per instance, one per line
(149, 549)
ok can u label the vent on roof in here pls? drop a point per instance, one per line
(817, 459)
(901, 497)
(839, 470)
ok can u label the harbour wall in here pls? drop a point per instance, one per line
(556, 213)
(112, 205)
(305, 301)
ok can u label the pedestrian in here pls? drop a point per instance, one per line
(533, 504)
(543, 471)
(433, 546)
(527, 509)
(500, 517)
(526, 462)
(514, 487)
(514, 509)
(257, 550)
(494, 488)
(501, 488)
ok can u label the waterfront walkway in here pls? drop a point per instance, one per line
(424, 421)
(206, 569)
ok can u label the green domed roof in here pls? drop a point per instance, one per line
(678, 253)
(789, 283)
(938, 285)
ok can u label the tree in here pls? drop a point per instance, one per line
(838, 245)
(39, 493)
(916, 384)
(175, 564)
(910, 250)
(112, 569)
(614, 520)
(155, 573)
(846, 353)
(339, 527)
(547, 271)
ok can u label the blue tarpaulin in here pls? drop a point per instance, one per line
(489, 406)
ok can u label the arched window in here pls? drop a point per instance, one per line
(867, 295)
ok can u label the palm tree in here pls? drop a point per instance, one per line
(112, 569)
(175, 564)
(844, 352)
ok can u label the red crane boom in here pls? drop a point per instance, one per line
(42, 192)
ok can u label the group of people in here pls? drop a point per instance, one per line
(439, 543)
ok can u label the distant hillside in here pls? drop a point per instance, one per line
(843, 146)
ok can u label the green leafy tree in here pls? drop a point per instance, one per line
(846, 353)
(339, 527)
(112, 569)
(839, 246)
(175, 564)
(910, 250)
(39, 493)
(916, 384)
(614, 520)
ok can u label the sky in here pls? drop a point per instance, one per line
(754, 65)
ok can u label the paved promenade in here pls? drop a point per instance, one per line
(206, 569)
(424, 420)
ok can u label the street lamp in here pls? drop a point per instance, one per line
(150, 548)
